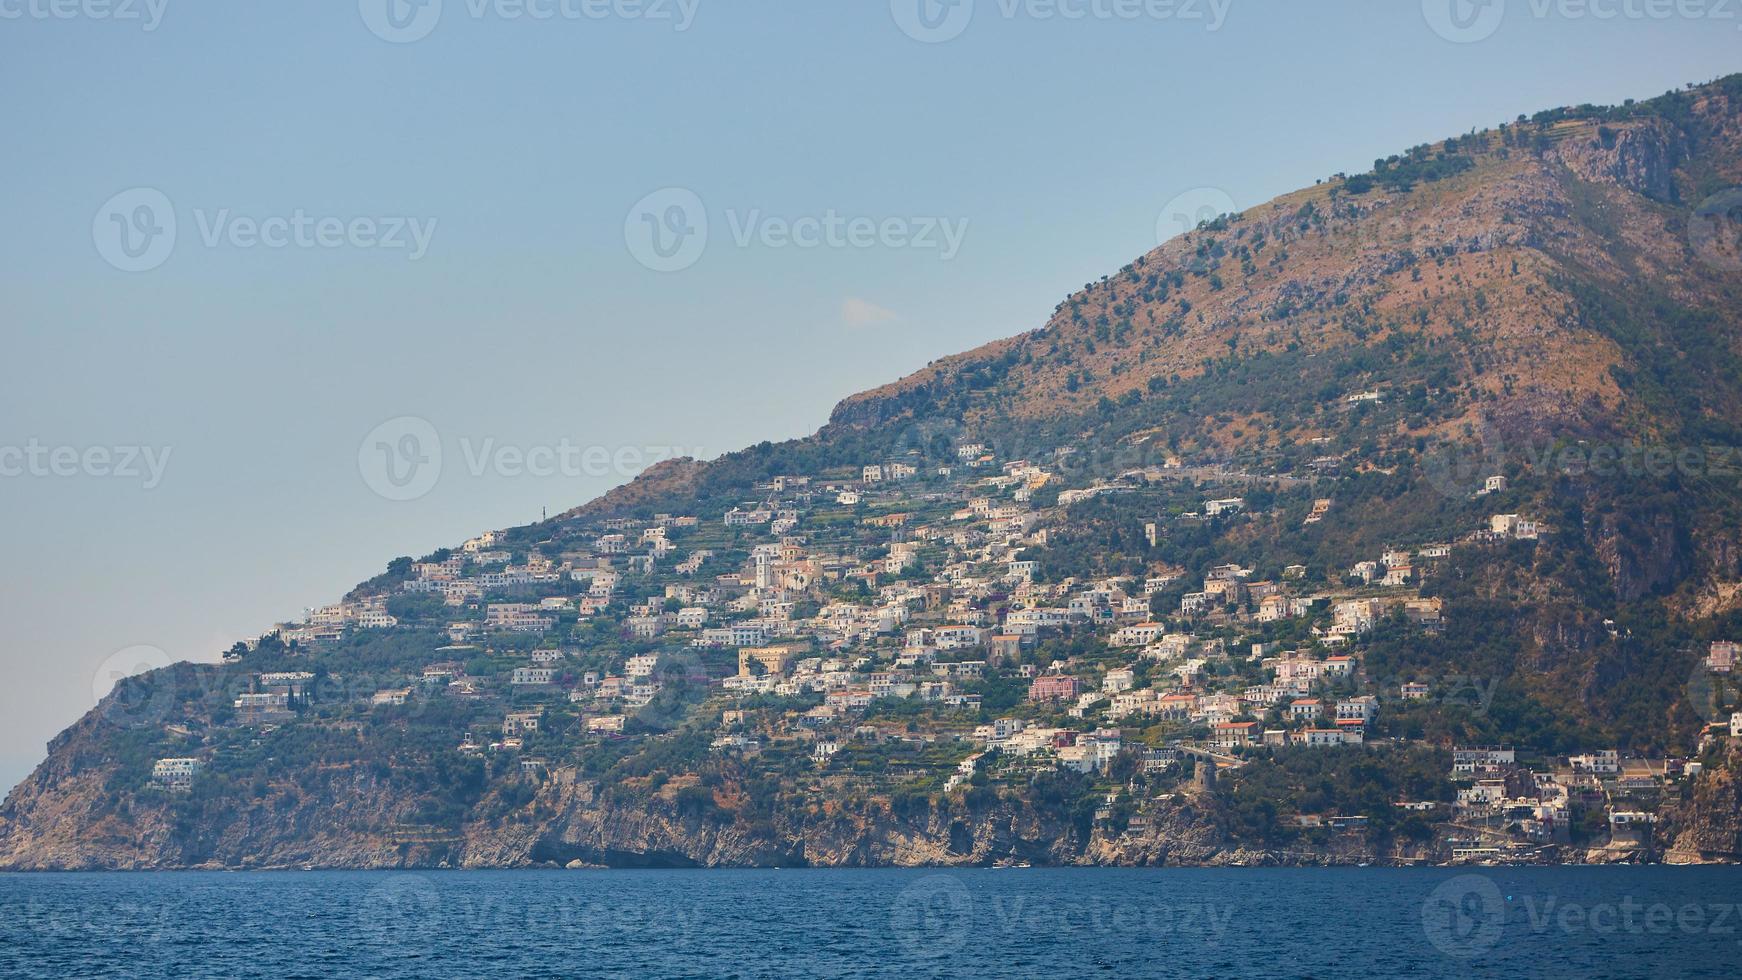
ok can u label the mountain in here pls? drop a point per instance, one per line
(1458, 435)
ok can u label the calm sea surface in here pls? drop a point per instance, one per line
(1572, 922)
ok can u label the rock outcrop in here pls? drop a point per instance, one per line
(1707, 827)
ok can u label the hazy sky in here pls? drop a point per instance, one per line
(556, 239)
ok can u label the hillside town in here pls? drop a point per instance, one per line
(891, 627)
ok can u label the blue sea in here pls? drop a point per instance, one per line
(1505, 922)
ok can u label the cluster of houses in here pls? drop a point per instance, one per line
(892, 582)
(1507, 808)
(931, 637)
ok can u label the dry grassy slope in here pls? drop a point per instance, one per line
(657, 482)
(1471, 261)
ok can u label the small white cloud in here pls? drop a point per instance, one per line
(856, 312)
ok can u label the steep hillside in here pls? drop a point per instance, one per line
(1451, 447)
(1481, 253)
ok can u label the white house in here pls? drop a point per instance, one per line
(1363, 709)
(175, 774)
(531, 676)
(1721, 657)
(1228, 505)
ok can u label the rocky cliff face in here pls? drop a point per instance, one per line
(572, 823)
(349, 816)
(346, 819)
(71, 817)
(1640, 158)
(1707, 828)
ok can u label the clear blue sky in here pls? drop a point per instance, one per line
(529, 319)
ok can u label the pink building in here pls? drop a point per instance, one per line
(1053, 687)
